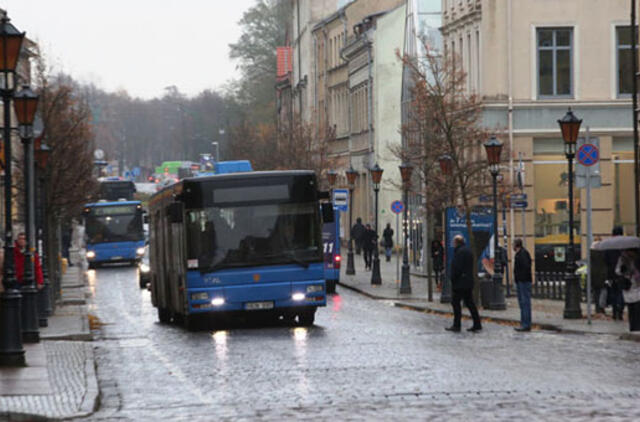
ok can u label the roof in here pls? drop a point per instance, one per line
(112, 203)
(251, 175)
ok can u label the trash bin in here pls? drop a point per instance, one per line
(485, 289)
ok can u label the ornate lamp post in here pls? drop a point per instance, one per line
(405, 282)
(25, 104)
(493, 147)
(11, 350)
(446, 166)
(570, 127)
(352, 175)
(376, 177)
(42, 151)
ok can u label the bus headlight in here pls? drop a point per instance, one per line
(217, 301)
(145, 268)
(140, 251)
(315, 288)
(91, 254)
(298, 297)
(200, 296)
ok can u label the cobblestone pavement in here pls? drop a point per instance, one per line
(363, 360)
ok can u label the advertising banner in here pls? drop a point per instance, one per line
(482, 226)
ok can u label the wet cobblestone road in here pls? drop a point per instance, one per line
(363, 360)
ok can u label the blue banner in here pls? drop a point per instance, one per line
(482, 226)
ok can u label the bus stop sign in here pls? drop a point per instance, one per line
(341, 199)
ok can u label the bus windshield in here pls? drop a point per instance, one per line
(239, 236)
(114, 228)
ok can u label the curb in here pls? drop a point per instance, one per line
(371, 296)
(91, 399)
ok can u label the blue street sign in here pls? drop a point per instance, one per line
(136, 171)
(588, 155)
(341, 199)
(397, 207)
(519, 204)
(518, 196)
(127, 174)
(485, 198)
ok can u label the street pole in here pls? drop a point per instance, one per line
(376, 279)
(405, 280)
(589, 237)
(11, 349)
(30, 321)
(634, 95)
(572, 297)
(397, 243)
(351, 174)
(497, 298)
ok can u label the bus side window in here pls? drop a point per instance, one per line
(327, 213)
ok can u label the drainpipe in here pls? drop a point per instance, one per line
(326, 88)
(510, 116)
(374, 151)
(349, 125)
(315, 78)
(299, 61)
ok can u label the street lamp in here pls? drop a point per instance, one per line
(25, 103)
(352, 175)
(11, 350)
(332, 176)
(376, 177)
(405, 282)
(570, 127)
(42, 151)
(446, 166)
(493, 147)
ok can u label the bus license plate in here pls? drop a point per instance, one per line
(254, 306)
(116, 258)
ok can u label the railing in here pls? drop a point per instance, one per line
(551, 285)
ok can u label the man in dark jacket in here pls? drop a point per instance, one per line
(462, 285)
(614, 291)
(369, 243)
(357, 231)
(523, 278)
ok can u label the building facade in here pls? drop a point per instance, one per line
(529, 60)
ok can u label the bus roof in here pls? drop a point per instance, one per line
(112, 203)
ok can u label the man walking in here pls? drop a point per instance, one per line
(523, 279)
(369, 240)
(462, 285)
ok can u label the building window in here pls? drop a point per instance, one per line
(555, 62)
(624, 60)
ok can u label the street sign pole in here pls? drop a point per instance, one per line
(397, 254)
(589, 238)
(524, 210)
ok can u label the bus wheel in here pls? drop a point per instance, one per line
(331, 286)
(164, 316)
(306, 318)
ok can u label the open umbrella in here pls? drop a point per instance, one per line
(618, 242)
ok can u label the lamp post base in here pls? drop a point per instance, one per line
(11, 351)
(376, 279)
(30, 322)
(405, 281)
(445, 294)
(572, 308)
(497, 302)
(351, 269)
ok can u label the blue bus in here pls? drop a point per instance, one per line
(331, 247)
(114, 232)
(248, 243)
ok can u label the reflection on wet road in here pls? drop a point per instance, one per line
(361, 360)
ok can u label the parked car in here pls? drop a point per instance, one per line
(144, 269)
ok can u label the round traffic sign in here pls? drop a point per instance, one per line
(588, 155)
(397, 207)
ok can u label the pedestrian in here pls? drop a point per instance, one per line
(523, 279)
(18, 262)
(357, 231)
(628, 267)
(598, 269)
(462, 268)
(387, 239)
(614, 281)
(437, 258)
(369, 239)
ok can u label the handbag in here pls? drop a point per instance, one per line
(602, 299)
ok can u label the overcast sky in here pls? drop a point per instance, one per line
(142, 46)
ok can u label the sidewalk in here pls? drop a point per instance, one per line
(547, 314)
(59, 380)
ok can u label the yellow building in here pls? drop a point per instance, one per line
(530, 60)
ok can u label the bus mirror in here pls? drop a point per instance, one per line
(327, 213)
(175, 212)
